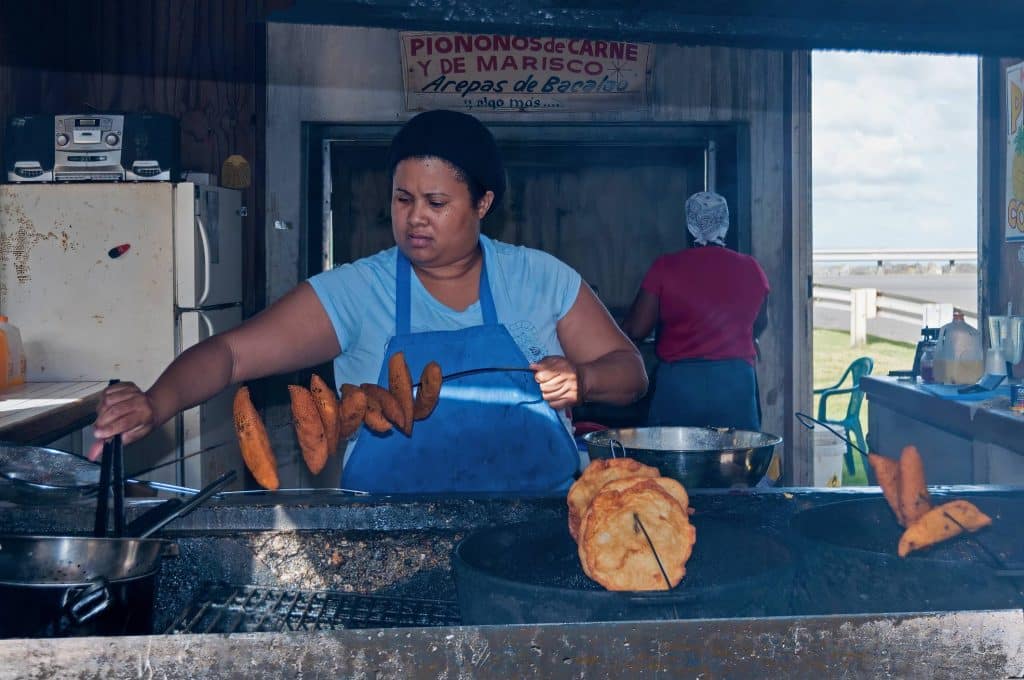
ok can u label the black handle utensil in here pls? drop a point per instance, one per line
(157, 518)
(111, 466)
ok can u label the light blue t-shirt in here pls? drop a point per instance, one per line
(532, 292)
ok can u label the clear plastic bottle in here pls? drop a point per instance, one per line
(12, 354)
(928, 364)
(959, 358)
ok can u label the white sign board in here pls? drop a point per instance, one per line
(471, 72)
(1013, 215)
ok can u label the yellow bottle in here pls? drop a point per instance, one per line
(12, 354)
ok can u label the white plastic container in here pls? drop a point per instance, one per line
(12, 354)
(829, 452)
(959, 356)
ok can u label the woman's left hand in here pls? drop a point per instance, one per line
(559, 381)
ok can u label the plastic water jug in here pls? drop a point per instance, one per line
(12, 354)
(959, 356)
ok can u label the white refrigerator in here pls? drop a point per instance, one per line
(113, 280)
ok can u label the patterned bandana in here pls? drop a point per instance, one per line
(707, 217)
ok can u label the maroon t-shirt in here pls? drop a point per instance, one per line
(708, 299)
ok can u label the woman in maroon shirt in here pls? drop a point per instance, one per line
(710, 304)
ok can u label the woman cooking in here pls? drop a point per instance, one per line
(444, 293)
(711, 303)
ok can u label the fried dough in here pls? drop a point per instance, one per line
(597, 474)
(615, 550)
(327, 404)
(934, 526)
(887, 471)
(914, 498)
(400, 387)
(351, 411)
(374, 417)
(389, 406)
(429, 392)
(253, 441)
(309, 429)
(667, 484)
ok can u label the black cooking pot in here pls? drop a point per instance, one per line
(530, 573)
(849, 562)
(56, 586)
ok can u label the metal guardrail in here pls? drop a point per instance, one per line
(952, 256)
(869, 303)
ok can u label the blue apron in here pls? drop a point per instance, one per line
(490, 432)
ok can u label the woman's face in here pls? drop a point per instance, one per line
(433, 218)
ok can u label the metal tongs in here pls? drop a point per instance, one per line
(111, 464)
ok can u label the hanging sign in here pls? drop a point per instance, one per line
(1014, 197)
(514, 73)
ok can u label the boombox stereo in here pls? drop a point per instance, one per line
(95, 147)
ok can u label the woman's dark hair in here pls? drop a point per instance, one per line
(460, 140)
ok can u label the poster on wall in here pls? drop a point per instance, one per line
(1014, 213)
(481, 73)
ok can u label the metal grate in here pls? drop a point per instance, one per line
(225, 608)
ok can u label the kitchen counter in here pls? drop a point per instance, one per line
(400, 547)
(38, 413)
(961, 441)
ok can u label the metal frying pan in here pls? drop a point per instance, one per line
(530, 573)
(849, 561)
(34, 475)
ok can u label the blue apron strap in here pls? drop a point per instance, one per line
(403, 282)
(403, 272)
(487, 311)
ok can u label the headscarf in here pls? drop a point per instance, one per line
(456, 137)
(707, 217)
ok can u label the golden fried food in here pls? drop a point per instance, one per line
(935, 525)
(400, 387)
(429, 392)
(374, 416)
(351, 411)
(887, 471)
(309, 429)
(253, 441)
(388, 404)
(667, 484)
(914, 498)
(615, 548)
(597, 474)
(327, 405)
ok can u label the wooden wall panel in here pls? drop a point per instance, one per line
(1001, 263)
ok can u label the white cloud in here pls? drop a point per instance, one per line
(894, 150)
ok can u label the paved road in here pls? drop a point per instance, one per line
(958, 289)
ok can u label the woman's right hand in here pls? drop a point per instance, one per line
(125, 410)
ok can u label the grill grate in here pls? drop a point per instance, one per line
(225, 608)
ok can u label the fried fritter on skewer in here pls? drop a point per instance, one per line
(253, 441)
(597, 474)
(327, 405)
(309, 429)
(429, 392)
(400, 387)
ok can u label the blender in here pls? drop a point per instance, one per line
(1006, 338)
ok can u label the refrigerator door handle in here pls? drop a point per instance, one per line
(209, 324)
(205, 240)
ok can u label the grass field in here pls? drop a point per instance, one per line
(832, 354)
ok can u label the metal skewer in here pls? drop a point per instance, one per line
(638, 526)
(474, 371)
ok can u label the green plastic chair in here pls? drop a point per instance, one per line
(854, 472)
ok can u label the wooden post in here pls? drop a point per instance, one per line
(862, 308)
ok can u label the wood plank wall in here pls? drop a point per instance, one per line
(1000, 264)
(199, 60)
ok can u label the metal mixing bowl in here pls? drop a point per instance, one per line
(696, 457)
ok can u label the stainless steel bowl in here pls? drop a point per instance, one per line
(696, 457)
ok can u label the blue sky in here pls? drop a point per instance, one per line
(894, 150)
